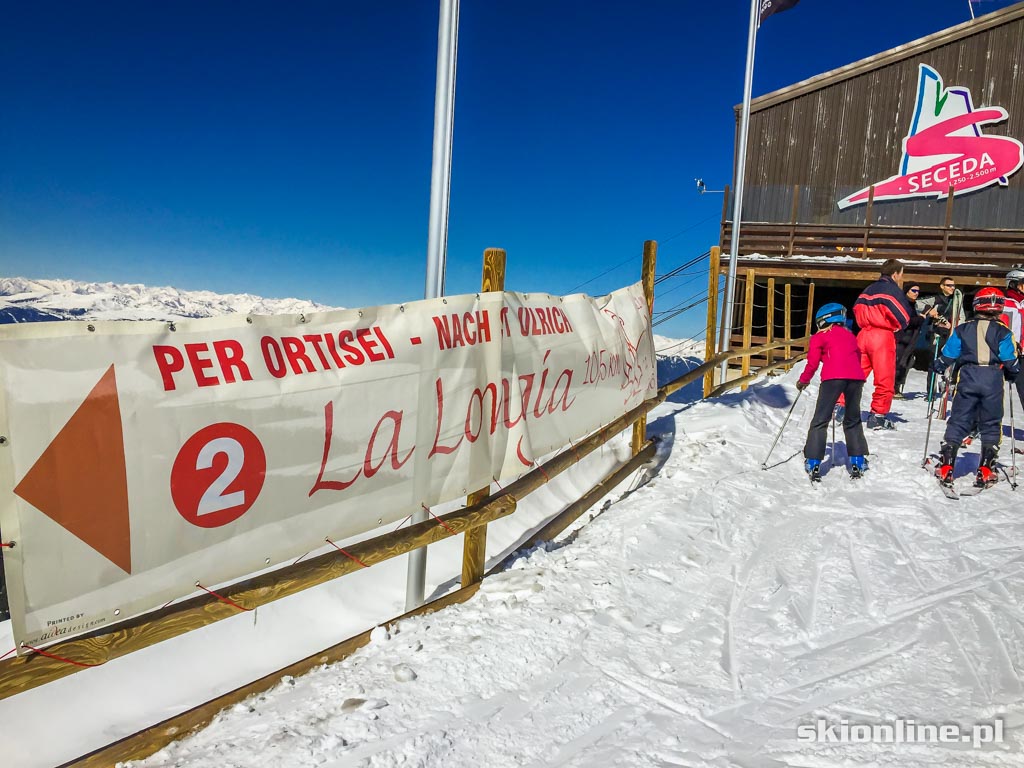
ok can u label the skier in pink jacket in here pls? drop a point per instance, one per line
(835, 347)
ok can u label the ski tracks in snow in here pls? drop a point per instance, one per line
(696, 623)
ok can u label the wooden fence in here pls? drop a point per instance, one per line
(20, 674)
(767, 346)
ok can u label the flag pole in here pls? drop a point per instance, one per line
(437, 230)
(737, 203)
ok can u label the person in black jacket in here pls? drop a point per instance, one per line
(944, 310)
(906, 340)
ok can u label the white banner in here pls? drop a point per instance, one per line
(139, 458)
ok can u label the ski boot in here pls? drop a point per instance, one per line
(947, 459)
(877, 422)
(986, 476)
(858, 466)
(813, 469)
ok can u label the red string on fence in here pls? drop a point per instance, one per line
(498, 484)
(402, 523)
(223, 599)
(9, 545)
(55, 657)
(541, 470)
(9, 652)
(347, 554)
(439, 520)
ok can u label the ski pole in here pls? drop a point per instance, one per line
(928, 433)
(1013, 443)
(931, 374)
(764, 464)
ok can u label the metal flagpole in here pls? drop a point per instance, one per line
(737, 203)
(437, 234)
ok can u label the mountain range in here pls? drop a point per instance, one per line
(25, 300)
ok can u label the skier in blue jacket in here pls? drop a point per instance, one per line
(985, 352)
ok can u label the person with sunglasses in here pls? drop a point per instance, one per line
(945, 310)
(906, 342)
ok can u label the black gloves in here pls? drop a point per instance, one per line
(802, 385)
(1010, 375)
(938, 366)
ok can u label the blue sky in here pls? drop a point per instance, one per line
(284, 149)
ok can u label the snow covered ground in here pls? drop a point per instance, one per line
(697, 621)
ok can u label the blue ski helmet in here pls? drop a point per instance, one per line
(830, 314)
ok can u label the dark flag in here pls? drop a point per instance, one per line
(768, 7)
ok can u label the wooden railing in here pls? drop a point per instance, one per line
(21, 674)
(935, 244)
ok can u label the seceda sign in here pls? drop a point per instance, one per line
(946, 148)
(142, 458)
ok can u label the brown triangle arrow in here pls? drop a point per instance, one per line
(80, 481)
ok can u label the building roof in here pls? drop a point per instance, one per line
(906, 51)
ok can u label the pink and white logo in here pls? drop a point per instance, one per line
(946, 148)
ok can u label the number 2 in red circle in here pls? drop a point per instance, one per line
(218, 474)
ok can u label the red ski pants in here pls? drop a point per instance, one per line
(878, 352)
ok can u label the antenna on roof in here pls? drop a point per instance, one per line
(702, 187)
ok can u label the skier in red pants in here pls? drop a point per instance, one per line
(882, 311)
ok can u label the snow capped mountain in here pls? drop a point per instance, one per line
(677, 357)
(683, 349)
(26, 300)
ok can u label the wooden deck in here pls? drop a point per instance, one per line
(988, 253)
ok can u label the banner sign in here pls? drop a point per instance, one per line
(946, 148)
(138, 459)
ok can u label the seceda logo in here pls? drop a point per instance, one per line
(946, 148)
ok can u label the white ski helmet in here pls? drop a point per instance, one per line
(1014, 277)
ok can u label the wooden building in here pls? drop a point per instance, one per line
(914, 153)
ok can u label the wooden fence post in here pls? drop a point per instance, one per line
(647, 273)
(474, 547)
(748, 320)
(709, 336)
(810, 313)
(770, 323)
(789, 321)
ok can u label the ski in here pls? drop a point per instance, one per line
(974, 490)
(949, 491)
